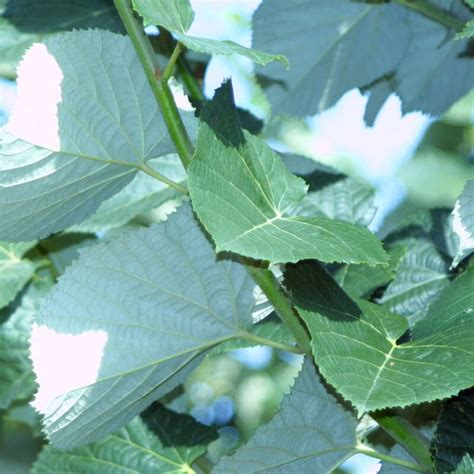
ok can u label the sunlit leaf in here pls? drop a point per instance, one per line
(310, 433)
(85, 122)
(147, 306)
(463, 222)
(357, 350)
(242, 193)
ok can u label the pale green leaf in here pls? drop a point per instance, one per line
(134, 449)
(16, 374)
(467, 32)
(429, 70)
(348, 200)
(357, 350)
(421, 274)
(453, 442)
(466, 466)
(177, 16)
(397, 452)
(212, 46)
(140, 196)
(310, 433)
(23, 22)
(85, 122)
(174, 15)
(361, 280)
(242, 192)
(147, 306)
(15, 271)
(463, 222)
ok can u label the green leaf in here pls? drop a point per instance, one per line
(140, 196)
(433, 225)
(15, 271)
(63, 249)
(453, 442)
(177, 16)
(147, 306)
(174, 15)
(181, 432)
(397, 452)
(467, 32)
(24, 22)
(349, 34)
(134, 449)
(357, 350)
(463, 222)
(348, 200)
(311, 433)
(466, 466)
(241, 192)
(78, 140)
(421, 274)
(16, 375)
(361, 280)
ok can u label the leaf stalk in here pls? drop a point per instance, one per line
(368, 451)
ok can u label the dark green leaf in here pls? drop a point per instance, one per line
(310, 433)
(361, 280)
(16, 375)
(15, 271)
(357, 350)
(242, 193)
(133, 449)
(454, 437)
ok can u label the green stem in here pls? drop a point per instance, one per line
(204, 464)
(428, 9)
(368, 451)
(406, 435)
(177, 131)
(172, 184)
(194, 89)
(168, 72)
(268, 342)
(282, 304)
(160, 88)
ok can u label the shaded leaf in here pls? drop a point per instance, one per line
(348, 200)
(177, 16)
(242, 192)
(361, 280)
(15, 271)
(141, 195)
(132, 449)
(16, 375)
(429, 71)
(453, 442)
(147, 305)
(24, 22)
(80, 140)
(421, 274)
(398, 452)
(357, 350)
(463, 222)
(310, 433)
